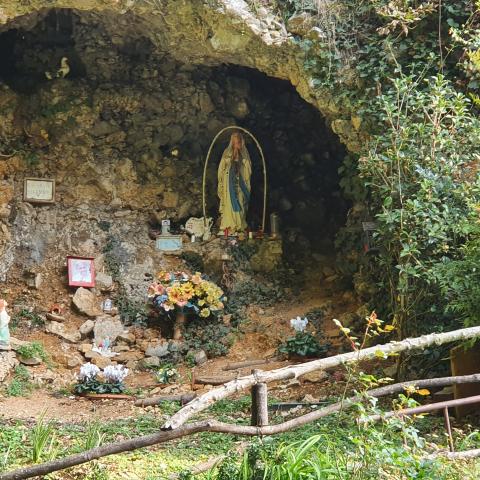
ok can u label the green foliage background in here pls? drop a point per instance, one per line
(408, 71)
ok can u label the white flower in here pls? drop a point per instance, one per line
(299, 324)
(115, 373)
(88, 371)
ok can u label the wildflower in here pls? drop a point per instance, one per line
(299, 324)
(88, 371)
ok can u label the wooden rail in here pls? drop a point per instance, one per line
(257, 381)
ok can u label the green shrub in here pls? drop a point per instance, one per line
(33, 350)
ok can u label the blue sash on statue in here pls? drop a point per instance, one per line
(236, 205)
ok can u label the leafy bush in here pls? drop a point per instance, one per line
(213, 338)
(303, 344)
(460, 282)
(20, 384)
(33, 350)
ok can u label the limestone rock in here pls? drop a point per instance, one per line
(130, 356)
(86, 327)
(86, 302)
(31, 362)
(300, 23)
(103, 281)
(268, 256)
(200, 357)
(120, 349)
(315, 377)
(85, 347)
(151, 362)
(15, 343)
(101, 362)
(127, 337)
(158, 350)
(8, 362)
(106, 326)
(58, 329)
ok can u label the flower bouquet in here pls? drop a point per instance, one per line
(88, 381)
(175, 294)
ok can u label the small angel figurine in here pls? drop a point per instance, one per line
(4, 321)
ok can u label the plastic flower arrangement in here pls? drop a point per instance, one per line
(182, 291)
(89, 382)
(303, 344)
(179, 292)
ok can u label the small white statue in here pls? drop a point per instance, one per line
(4, 321)
(200, 227)
(62, 72)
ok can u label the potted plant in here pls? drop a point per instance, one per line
(175, 295)
(304, 344)
(112, 386)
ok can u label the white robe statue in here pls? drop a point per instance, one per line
(4, 321)
(234, 174)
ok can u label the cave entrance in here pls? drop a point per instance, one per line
(141, 104)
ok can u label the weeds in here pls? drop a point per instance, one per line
(43, 438)
(20, 384)
(33, 350)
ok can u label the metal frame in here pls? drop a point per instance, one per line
(204, 201)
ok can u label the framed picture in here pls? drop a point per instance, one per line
(39, 190)
(81, 271)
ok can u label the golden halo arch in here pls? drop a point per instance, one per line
(264, 170)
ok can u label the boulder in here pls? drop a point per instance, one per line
(157, 350)
(101, 362)
(86, 302)
(200, 357)
(31, 362)
(151, 362)
(58, 329)
(85, 347)
(106, 326)
(86, 328)
(126, 337)
(103, 281)
(131, 356)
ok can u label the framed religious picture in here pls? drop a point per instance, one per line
(39, 190)
(81, 271)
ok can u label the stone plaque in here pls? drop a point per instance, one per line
(39, 190)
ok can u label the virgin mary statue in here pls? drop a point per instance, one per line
(234, 174)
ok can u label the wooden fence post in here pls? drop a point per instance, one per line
(259, 403)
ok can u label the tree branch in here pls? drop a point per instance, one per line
(242, 383)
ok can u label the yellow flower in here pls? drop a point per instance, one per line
(204, 312)
(201, 303)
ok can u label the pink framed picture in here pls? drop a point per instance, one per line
(81, 271)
